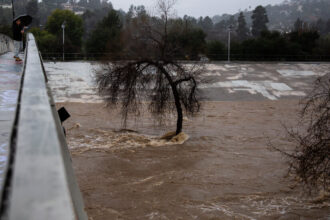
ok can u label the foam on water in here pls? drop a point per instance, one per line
(258, 206)
(238, 76)
(267, 206)
(295, 73)
(117, 140)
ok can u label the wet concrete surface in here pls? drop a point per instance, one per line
(244, 81)
(10, 76)
(250, 81)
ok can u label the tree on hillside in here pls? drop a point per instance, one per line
(134, 12)
(73, 31)
(189, 20)
(242, 30)
(259, 20)
(154, 74)
(323, 46)
(231, 21)
(206, 24)
(106, 37)
(306, 39)
(92, 17)
(50, 39)
(190, 40)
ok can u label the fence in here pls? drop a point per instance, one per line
(212, 57)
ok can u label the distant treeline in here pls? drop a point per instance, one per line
(103, 32)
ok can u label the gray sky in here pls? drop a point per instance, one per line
(198, 8)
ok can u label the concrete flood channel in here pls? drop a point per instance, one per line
(225, 170)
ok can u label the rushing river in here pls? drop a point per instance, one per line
(222, 168)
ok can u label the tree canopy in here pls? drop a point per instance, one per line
(106, 37)
(50, 39)
(259, 20)
(155, 75)
(242, 30)
(73, 27)
(216, 50)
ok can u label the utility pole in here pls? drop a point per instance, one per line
(63, 28)
(229, 29)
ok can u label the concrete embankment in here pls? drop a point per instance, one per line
(6, 44)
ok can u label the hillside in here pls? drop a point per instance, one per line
(283, 16)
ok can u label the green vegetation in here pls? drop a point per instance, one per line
(105, 40)
(47, 42)
(73, 28)
(190, 41)
(216, 50)
(259, 21)
(242, 29)
(102, 31)
(50, 39)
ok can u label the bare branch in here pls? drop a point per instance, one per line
(310, 159)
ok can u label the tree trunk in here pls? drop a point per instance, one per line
(178, 109)
(176, 98)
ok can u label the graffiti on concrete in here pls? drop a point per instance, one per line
(6, 44)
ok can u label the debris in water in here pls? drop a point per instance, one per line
(180, 138)
(169, 135)
(75, 126)
(323, 196)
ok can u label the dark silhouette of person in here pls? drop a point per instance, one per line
(18, 31)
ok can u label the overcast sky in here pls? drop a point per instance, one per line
(198, 8)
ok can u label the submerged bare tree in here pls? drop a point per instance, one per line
(153, 74)
(311, 158)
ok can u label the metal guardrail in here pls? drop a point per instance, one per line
(6, 44)
(40, 181)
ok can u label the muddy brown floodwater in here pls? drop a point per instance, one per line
(225, 170)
